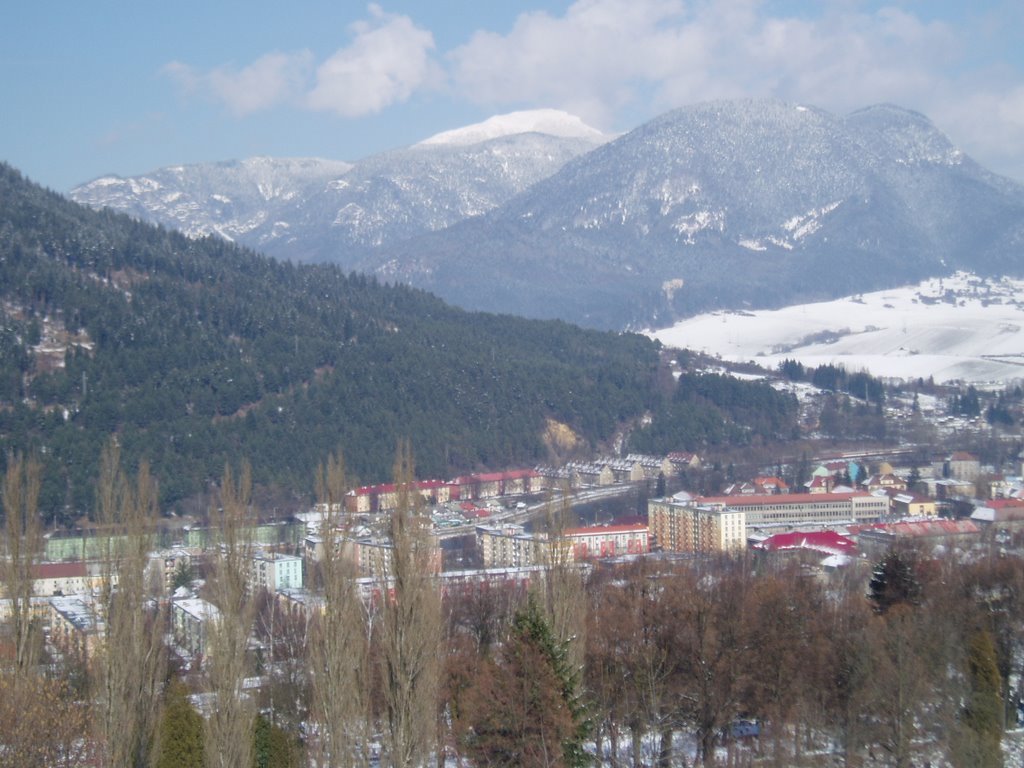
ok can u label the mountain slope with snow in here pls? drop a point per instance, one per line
(321, 210)
(739, 203)
(236, 200)
(963, 327)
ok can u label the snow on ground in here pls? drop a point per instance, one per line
(956, 328)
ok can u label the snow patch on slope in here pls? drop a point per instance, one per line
(552, 122)
(962, 327)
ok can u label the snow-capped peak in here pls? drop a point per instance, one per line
(552, 122)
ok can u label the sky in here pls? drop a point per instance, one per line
(94, 88)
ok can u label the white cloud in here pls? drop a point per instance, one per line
(388, 60)
(604, 58)
(271, 80)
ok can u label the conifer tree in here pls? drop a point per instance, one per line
(180, 738)
(981, 732)
(524, 707)
(894, 581)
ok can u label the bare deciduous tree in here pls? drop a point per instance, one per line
(564, 586)
(130, 667)
(229, 728)
(23, 546)
(410, 630)
(338, 648)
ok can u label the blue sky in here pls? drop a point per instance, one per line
(115, 87)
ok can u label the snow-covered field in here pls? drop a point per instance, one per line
(956, 328)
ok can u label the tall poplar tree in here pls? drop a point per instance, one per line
(229, 728)
(130, 665)
(338, 648)
(410, 629)
(22, 551)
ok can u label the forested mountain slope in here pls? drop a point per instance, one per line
(197, 352)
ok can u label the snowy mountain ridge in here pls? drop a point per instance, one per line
(323, 210)
(551, 122)
(747, 203)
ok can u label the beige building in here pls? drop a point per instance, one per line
(792, 509)
(509, 546)
(75, 628)
(688, 526)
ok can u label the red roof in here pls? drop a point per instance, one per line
(780, 498)
(820, 541)
(933, 528)
(596, 530)
(58, 570)
(1004, 503)
(516, 474)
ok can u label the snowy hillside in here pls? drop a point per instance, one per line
(959, 328)
(748, 203)
(321, 210)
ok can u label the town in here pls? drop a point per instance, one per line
(502, 533)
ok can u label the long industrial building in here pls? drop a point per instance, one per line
(720, 523)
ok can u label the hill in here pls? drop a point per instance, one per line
(195, 352)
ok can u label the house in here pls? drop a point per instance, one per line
(584, 474)
(876, 541)
(912, 505)
(652, 465)
(1003, 513)
(826, 543)
(789, 509)
(765, 485)
(76, 629)
(682, 461)
(607, 541)
(74, 578)
(190, 622)
(820, 484)
(272, 571)
(509, 546)
(961, 465)
(884, 482)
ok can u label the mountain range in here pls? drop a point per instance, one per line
(732, 204)
(310, 209)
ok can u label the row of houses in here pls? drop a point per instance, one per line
(606, 470)
(512, 546)
(370, 499)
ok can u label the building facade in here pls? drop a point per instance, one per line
(796, 509)
(687, 526)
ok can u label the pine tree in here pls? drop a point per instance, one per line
(180, 743)
(894, 581)
(524, 709)
(978, 744)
